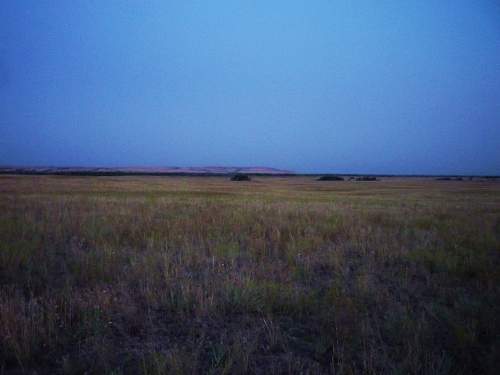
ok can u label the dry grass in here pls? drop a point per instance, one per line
(161, 275)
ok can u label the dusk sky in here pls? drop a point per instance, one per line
(408, 87)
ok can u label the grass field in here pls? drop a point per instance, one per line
(153, 275)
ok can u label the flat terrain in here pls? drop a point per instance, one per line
(187, 275)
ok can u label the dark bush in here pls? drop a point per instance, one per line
(240, 177)
(366, 178)
(330, 178)
(449, 179)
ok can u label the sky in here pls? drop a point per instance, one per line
(348, 86)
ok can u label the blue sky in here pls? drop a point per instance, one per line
(311, 86)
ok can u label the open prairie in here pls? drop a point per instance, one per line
(153, 275)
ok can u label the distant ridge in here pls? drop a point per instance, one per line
(110, 171)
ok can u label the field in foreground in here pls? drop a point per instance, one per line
(160, 275)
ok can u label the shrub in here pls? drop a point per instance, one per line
(240, 177)
(330, 178)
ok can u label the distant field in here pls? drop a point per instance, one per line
(153, 275)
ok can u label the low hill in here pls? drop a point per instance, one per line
(143, 170)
